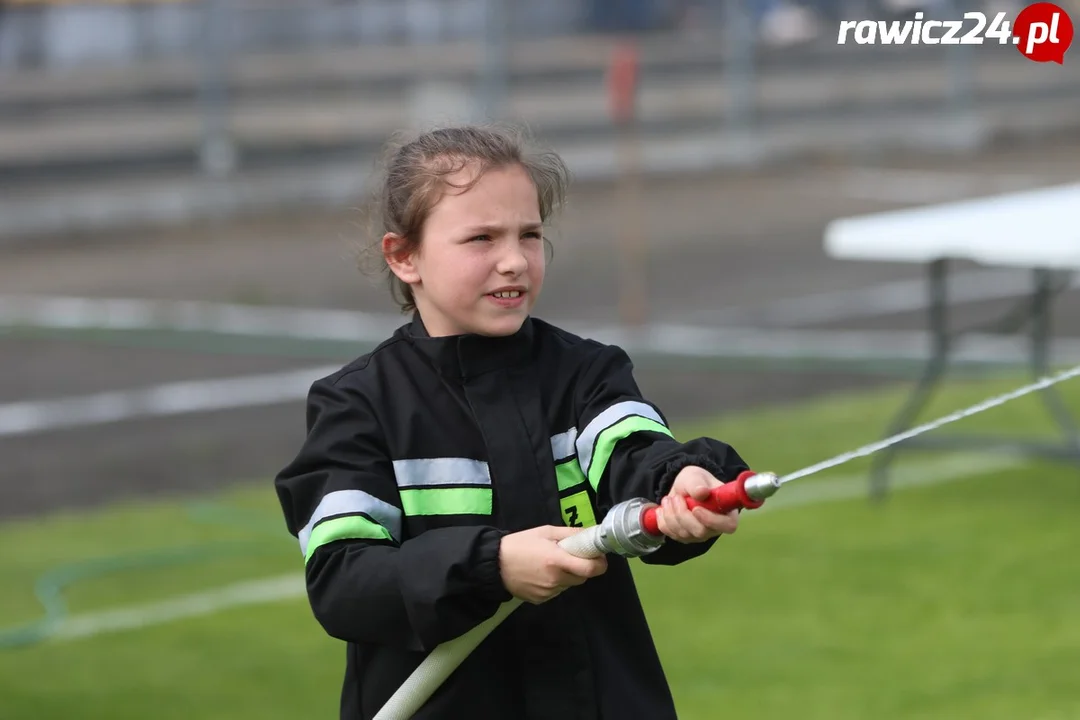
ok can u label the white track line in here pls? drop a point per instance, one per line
(938, 471)
(233, 393)
(731, 342)
(80, 313)
(74, 313)
(178, 398)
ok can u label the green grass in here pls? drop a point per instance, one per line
(952, 601)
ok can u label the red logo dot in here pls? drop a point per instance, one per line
(1043, 32)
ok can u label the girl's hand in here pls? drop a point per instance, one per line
(678, 522)
(535, 569)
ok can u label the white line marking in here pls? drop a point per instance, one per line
(233, 393)
(856, 345)
(178, 398)
(74, 313)
(70, 313)
(663, 339)
(938, 471)
(254, 592)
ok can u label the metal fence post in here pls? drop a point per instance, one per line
(960, 67)
(738, 46)
(217, 154)
(495, 72)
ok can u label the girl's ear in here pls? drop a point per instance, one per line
(398, 259)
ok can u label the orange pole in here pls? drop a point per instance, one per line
(622, 96)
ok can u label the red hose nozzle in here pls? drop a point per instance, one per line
(748, 491)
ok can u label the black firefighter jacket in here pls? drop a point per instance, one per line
(420, 456)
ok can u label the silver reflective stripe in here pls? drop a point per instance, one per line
(562, 445)
(351, 502)
(587, 440)
(441, 471)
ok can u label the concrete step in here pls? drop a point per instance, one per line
(379, 68)
(67, 209)
(116, 140)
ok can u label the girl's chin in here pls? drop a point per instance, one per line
(508, 324)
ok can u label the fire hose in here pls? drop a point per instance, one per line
(630, 529)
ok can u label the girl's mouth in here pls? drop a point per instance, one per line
(508, 298)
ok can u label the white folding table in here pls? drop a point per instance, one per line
(1038, 230)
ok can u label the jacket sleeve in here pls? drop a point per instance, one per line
(366, 582)
(625, 448)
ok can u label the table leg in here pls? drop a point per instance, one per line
(935, 368)
(1040, 354)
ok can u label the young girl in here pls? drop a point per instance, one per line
(441, 469)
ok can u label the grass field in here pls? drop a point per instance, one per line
(952, 600)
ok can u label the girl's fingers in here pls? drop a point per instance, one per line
(691, 523)
(679, 522)
(668, 522)
(683, 522)
(725, 524)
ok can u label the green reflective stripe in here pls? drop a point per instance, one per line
(606, 440)
(351, 502)
(587, 441)
(568, 474)
(351, 527)
(446, 501)
(577, 510)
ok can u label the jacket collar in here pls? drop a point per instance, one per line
(468, 355)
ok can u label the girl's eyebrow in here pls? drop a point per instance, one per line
(495, 228)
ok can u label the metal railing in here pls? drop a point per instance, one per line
(220, 86)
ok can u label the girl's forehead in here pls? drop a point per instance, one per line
(472, 175)
(495, 191)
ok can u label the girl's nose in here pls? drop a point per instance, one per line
(513, 260)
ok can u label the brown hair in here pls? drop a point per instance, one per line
(415, 178)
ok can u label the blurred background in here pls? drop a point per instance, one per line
(179, 193)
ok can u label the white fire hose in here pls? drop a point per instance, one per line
(443, 660)
(629, 529)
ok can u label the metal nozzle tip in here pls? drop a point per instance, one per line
(762, 485)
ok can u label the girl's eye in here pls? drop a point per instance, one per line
(533, 235)
(481, 238)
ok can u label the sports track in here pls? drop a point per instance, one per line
(723, 249)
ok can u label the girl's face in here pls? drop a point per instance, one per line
(480, 266)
